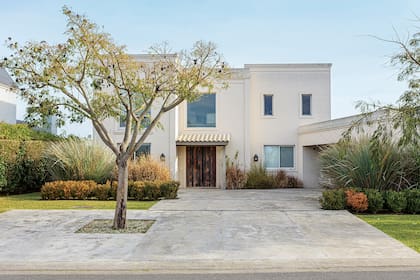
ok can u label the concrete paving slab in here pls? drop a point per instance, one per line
(233, 229)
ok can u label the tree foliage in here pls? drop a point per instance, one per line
(400, 120)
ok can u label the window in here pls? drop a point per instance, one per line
(268, 105)
(145, 123)
(144, 150)
(278, 157)
(202, 112)
(306, 104)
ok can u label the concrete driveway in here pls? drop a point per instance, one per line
(205, 229)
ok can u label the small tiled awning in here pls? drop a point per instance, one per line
(203, 139)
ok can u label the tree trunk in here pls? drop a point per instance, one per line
(120, 216)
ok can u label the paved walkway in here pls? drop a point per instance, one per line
(204, 229)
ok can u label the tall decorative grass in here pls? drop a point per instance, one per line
(76, 159)
(368, 165)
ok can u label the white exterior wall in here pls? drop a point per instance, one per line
(161, 140)
(239, 112)
(7, 104)
(286, 83)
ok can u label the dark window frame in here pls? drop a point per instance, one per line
(268, 104)
(193, 114)
(304, 108)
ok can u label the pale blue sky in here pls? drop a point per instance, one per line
(246, 32)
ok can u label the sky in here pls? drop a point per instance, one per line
(260, 31)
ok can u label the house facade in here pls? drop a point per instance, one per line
(7, 98)
(261, 117)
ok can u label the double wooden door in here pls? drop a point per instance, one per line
(201, 166)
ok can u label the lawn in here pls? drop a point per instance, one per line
(405, 228)
(33, 201)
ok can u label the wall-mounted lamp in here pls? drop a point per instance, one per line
(162, 157)
(255, 157)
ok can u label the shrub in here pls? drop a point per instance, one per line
(146, 168)
(281, 180)
(413, 201)
(169, 190)
(76, 159)
(293, 182)
(258, 178)
(136, 190)
(68, 190)
(334, 199)
(151, 190)
(23, 132)
(375, 200)
(3, 174)
(23, 169)
(102, 191)
(366, 164)
(395, 201)
(235, 177)
(88, 189)
(357, 201)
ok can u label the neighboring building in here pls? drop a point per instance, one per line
(264, 115)
(7, 98)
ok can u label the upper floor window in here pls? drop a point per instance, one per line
(306, 104)
(278, 156)
(268, 105)
(145, 123)
(202, 112)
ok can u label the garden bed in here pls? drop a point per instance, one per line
(105, 226)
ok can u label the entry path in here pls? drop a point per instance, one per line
(235, 230)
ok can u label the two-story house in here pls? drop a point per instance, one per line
(262, 116)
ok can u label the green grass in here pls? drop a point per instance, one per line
(405, 228)
(33, 201)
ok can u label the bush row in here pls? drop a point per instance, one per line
(371, 200)
(87, 189)
(259, 178)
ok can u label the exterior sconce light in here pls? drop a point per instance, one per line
(162, 157)
(255, 157)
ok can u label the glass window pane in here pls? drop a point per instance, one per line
(271, 156)
(144, 150)
(268, 105)
(306, 104)
(286, 157)
(202, 112)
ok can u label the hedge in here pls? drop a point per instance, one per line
(407, 201)
(81, 190)
(23, 168)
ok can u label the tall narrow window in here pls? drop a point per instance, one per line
(268, 105)
(202, 112)
(306, 104)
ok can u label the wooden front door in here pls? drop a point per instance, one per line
(201, 166)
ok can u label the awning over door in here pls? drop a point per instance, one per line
(203, 139)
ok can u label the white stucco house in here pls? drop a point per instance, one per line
(272, 114)
(7, 98)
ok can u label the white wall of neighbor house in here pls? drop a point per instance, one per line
(286, 83)
(7, 104)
